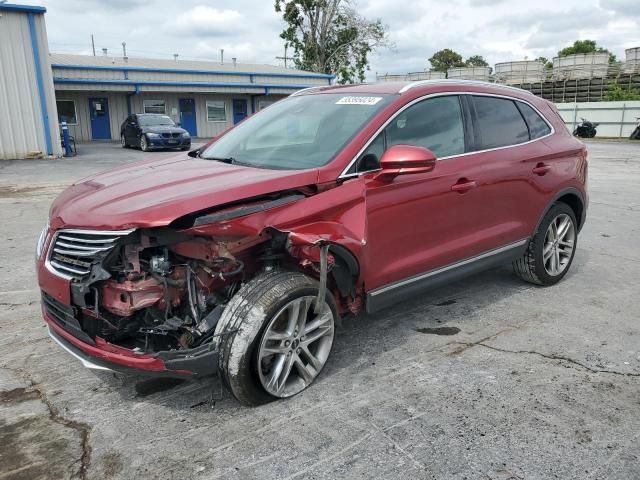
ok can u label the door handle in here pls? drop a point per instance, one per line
(541, 169)
(463, 185)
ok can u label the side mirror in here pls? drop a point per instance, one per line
(194, 153)
(405, 160)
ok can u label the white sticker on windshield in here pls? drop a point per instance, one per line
(358, 100)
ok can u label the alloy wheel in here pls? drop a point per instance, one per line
(559, 243)
(123, 141)
(295, 347)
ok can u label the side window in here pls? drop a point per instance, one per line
(370, 158)
(435, 123)
(537, 126)
(499, 122)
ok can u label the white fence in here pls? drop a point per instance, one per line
(616, 119)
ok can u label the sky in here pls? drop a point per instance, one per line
(499, 30)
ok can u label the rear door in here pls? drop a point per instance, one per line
(502, 166)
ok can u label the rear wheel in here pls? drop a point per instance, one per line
(272, 342)
(552, 248)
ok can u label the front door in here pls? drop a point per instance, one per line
(239, 110)
(417, 223)
(99, 113)
(187, 108)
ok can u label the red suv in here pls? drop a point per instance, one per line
(241, 257)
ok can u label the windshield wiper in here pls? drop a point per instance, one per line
(229, 160)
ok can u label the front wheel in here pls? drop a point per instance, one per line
(123, 141)
(273, 344)
(144, 146)
(552, 248)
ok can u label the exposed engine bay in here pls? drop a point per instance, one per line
(161, 289)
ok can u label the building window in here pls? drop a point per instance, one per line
(216, 111)
(265, 103)
(154, 106)
(67, 112)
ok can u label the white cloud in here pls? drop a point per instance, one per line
(499, 30)
(202, 20)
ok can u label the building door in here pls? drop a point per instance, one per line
(239, 109)
(99, 112)
(187, 107)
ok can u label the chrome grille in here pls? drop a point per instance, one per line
(73, 252)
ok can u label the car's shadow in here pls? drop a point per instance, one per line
(359, 341)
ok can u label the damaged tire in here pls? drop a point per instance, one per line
(272, 343)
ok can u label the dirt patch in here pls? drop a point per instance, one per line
(439, 330)
(18, 395)
(36, 442)
(16, 191)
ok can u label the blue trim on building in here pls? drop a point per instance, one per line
(251, 75)
(137, 83)
(39, 80)
(22, 8)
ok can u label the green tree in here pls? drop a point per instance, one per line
(445, 59)
(544, 60)
(476, 61)
(329, 36)
(615, 92)
(585, 46)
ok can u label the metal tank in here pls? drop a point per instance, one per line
(519, 72)
(470, 73)
(632, 60)
(580, 66)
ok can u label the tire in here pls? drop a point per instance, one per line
(636, 134)
(123, 141)
(257, 305)
(532, 266)
(144, 146)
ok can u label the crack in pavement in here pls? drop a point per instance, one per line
(82, 428)
(549, 356)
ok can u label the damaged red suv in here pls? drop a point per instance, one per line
(240, 258)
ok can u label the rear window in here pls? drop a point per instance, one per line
(537, 126)
(499, 122)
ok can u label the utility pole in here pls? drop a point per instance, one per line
(93, 45)
(285, 58)
(124, 49)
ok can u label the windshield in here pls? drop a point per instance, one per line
(297, 133)
(151, 121)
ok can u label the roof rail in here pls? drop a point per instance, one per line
(418, 83)
(309, 89)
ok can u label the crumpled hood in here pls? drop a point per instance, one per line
(154, 193)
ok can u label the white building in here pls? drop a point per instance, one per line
(94, 94)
